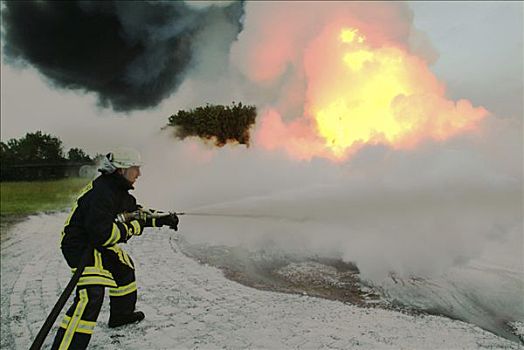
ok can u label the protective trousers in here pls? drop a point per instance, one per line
(109, 267)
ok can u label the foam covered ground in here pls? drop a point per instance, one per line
(189, 305)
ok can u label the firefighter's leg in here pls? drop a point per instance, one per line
(80, 320)
(122, 299)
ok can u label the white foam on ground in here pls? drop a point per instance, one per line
(190, 305)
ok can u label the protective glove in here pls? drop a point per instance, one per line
(148, 216)
(170, 220)
(135, 228)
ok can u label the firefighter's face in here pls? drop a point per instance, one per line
(131, 174)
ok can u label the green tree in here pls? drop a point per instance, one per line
(35, 147)
(6, 155)
(77, 155)
(219, 123)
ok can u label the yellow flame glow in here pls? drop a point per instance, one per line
(348, 35)
(360, 113)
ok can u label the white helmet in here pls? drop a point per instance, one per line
(125, 157)
(121, 157)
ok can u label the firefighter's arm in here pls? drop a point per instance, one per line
(102, 227)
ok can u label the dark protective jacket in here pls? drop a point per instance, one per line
(92, 219)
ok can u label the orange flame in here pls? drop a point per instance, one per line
(360, 94)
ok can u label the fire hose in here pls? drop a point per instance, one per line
(53, 315)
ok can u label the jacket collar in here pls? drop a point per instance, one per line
(119, 181)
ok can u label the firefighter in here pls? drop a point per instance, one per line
(93, 222)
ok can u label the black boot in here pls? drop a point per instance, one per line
(120, 320)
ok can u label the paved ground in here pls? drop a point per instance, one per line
(189, 305)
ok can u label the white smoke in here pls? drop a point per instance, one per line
(407, 212)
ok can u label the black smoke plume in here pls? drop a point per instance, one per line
(132, 54)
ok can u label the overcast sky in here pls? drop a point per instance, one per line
(480, 50)
(480, 47)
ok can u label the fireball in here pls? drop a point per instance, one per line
(367, 92)
(358, 94)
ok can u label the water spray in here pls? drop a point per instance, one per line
(244, 216)
(126, 217)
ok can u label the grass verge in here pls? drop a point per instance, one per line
(19, 199)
